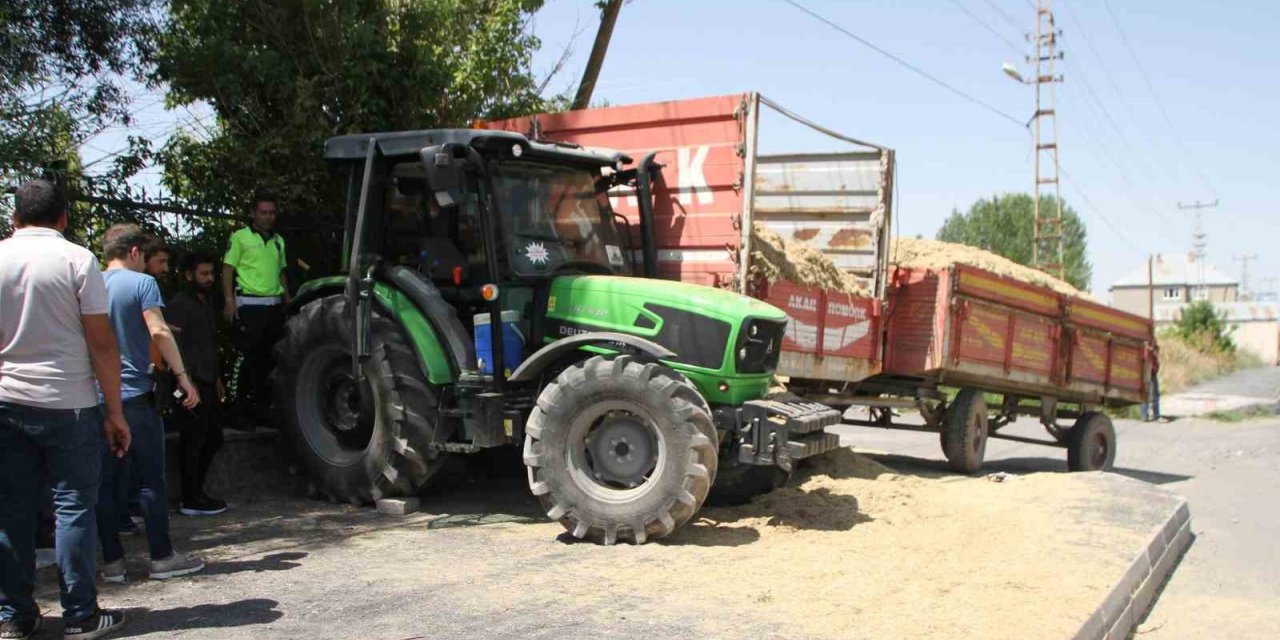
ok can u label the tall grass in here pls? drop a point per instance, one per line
(1186, 360)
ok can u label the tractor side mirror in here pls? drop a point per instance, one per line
(445, 166)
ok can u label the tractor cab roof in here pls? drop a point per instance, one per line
(409, 143)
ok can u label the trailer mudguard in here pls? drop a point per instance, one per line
(533, 366)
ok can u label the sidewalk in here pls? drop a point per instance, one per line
(1239, 390)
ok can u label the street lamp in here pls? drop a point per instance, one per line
(1012, 72)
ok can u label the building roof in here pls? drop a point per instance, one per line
(1176, 269)
(1251, 311)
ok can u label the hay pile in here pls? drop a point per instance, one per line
(774, 259)
(918, 253)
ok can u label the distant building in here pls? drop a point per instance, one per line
(1176, 279)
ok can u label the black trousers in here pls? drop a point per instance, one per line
(199, 438)
(256, 334)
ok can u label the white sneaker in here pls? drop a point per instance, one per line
(113, 572)
(175, 565)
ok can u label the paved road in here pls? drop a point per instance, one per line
(1247, 388)
(1228, 584)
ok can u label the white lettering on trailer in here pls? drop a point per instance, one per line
(845, 310)
(802, 303)
(690, 175)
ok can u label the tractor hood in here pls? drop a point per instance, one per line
(700, 324)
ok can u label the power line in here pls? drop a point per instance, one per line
(1017, 26)
(972, 99)
(1146, 79)
(1098, 212)
(1099, 150)
(908, 65)
(1019, 50)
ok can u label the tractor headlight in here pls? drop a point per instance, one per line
(759, 342)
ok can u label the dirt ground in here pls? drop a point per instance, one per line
(849, 550)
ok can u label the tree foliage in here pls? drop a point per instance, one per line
(1200, 324)
(62, 63)
(1005, 225)
(282, 77)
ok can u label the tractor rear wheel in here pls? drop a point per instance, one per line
(360, 445)
(618, 449)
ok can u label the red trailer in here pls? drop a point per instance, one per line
(967, 349)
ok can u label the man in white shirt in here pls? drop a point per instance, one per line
(55, 340)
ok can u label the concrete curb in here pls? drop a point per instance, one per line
(1134, 594)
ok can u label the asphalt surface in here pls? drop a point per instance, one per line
(1235, 391)
(337, 571)
(1228, 583)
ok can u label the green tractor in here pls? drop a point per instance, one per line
(490, 298)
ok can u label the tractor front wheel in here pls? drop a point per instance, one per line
(360, 440)
(618, 449)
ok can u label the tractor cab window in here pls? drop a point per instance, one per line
(557, 216)
(445, 246)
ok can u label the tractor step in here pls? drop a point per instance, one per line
(812, 445)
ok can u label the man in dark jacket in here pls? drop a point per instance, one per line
(193, 317)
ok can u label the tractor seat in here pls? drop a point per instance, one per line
(438, 258)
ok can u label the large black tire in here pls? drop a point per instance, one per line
(1091, 443)
(601, 486)
(352, 455)
(964, 433)
(738, 483)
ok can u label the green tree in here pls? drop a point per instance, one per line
(282, 77)
(1004, 225)
(62, 64)
(1200, 324)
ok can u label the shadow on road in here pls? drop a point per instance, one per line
(930, 468)
(241, 613)
(273, 562)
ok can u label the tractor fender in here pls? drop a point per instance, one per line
(441, 314)
(533, 366)
(395, 304)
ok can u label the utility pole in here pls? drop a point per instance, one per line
(1244, 260)
(608, 17)
(1047, 253)
(1198, 243)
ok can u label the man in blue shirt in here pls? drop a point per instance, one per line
(134, 305)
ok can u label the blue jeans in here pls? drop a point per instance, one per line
(39, 449)
(146, 453)
(1151, 408)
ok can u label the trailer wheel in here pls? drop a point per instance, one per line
(964, 434)
(1091, 443)
(354, 453)
(619, 449)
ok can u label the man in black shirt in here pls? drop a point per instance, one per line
(194, 319)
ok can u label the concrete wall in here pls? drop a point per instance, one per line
(1261, 338)
(1134, 299)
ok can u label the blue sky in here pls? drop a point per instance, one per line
(1212, 67)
